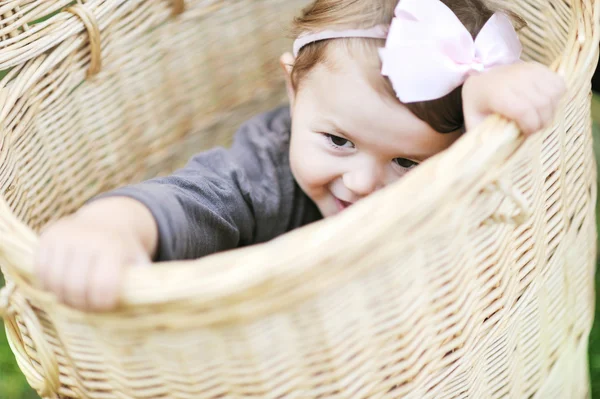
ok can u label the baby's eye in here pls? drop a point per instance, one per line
(405, 163)
(339, 141)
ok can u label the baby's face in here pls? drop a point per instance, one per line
(348, 140)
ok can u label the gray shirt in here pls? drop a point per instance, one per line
(228, 198)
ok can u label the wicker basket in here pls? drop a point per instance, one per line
(472, 277)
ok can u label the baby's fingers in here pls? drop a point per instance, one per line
(57, 267)
(551, 89)
(531, 108)
(542, 106)
(518, 108)
(42, 264)
(76, 280)
(544, 90)
(104, 282)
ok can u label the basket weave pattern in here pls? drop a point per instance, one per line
(472, 277)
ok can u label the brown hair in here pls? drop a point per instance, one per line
(444, 114)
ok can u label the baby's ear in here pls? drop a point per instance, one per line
(287, 62)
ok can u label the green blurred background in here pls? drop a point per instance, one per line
(13, 385)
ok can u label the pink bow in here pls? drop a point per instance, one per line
(429, 52)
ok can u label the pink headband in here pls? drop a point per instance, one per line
(429, 52)
(376, 32)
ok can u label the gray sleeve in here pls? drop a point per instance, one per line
(224, 198)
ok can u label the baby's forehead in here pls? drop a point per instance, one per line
(354, 57)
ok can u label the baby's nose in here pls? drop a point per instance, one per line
(364, 181)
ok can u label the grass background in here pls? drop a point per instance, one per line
(14, 386)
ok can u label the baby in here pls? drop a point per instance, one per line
(375, 87)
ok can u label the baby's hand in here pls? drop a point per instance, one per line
(527, 93)
(81, 260)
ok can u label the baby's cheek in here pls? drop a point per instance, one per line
(393, 176)
(313, 172)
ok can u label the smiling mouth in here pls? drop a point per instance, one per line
(342, 204)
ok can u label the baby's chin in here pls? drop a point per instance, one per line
(320, 196)
(328, 206)
(327, 212)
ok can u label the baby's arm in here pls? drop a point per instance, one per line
(527, 93)
(80, 257)
(196, 211)
(222, 199)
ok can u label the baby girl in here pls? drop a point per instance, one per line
(375, 87)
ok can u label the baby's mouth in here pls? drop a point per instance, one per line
(341, 204)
